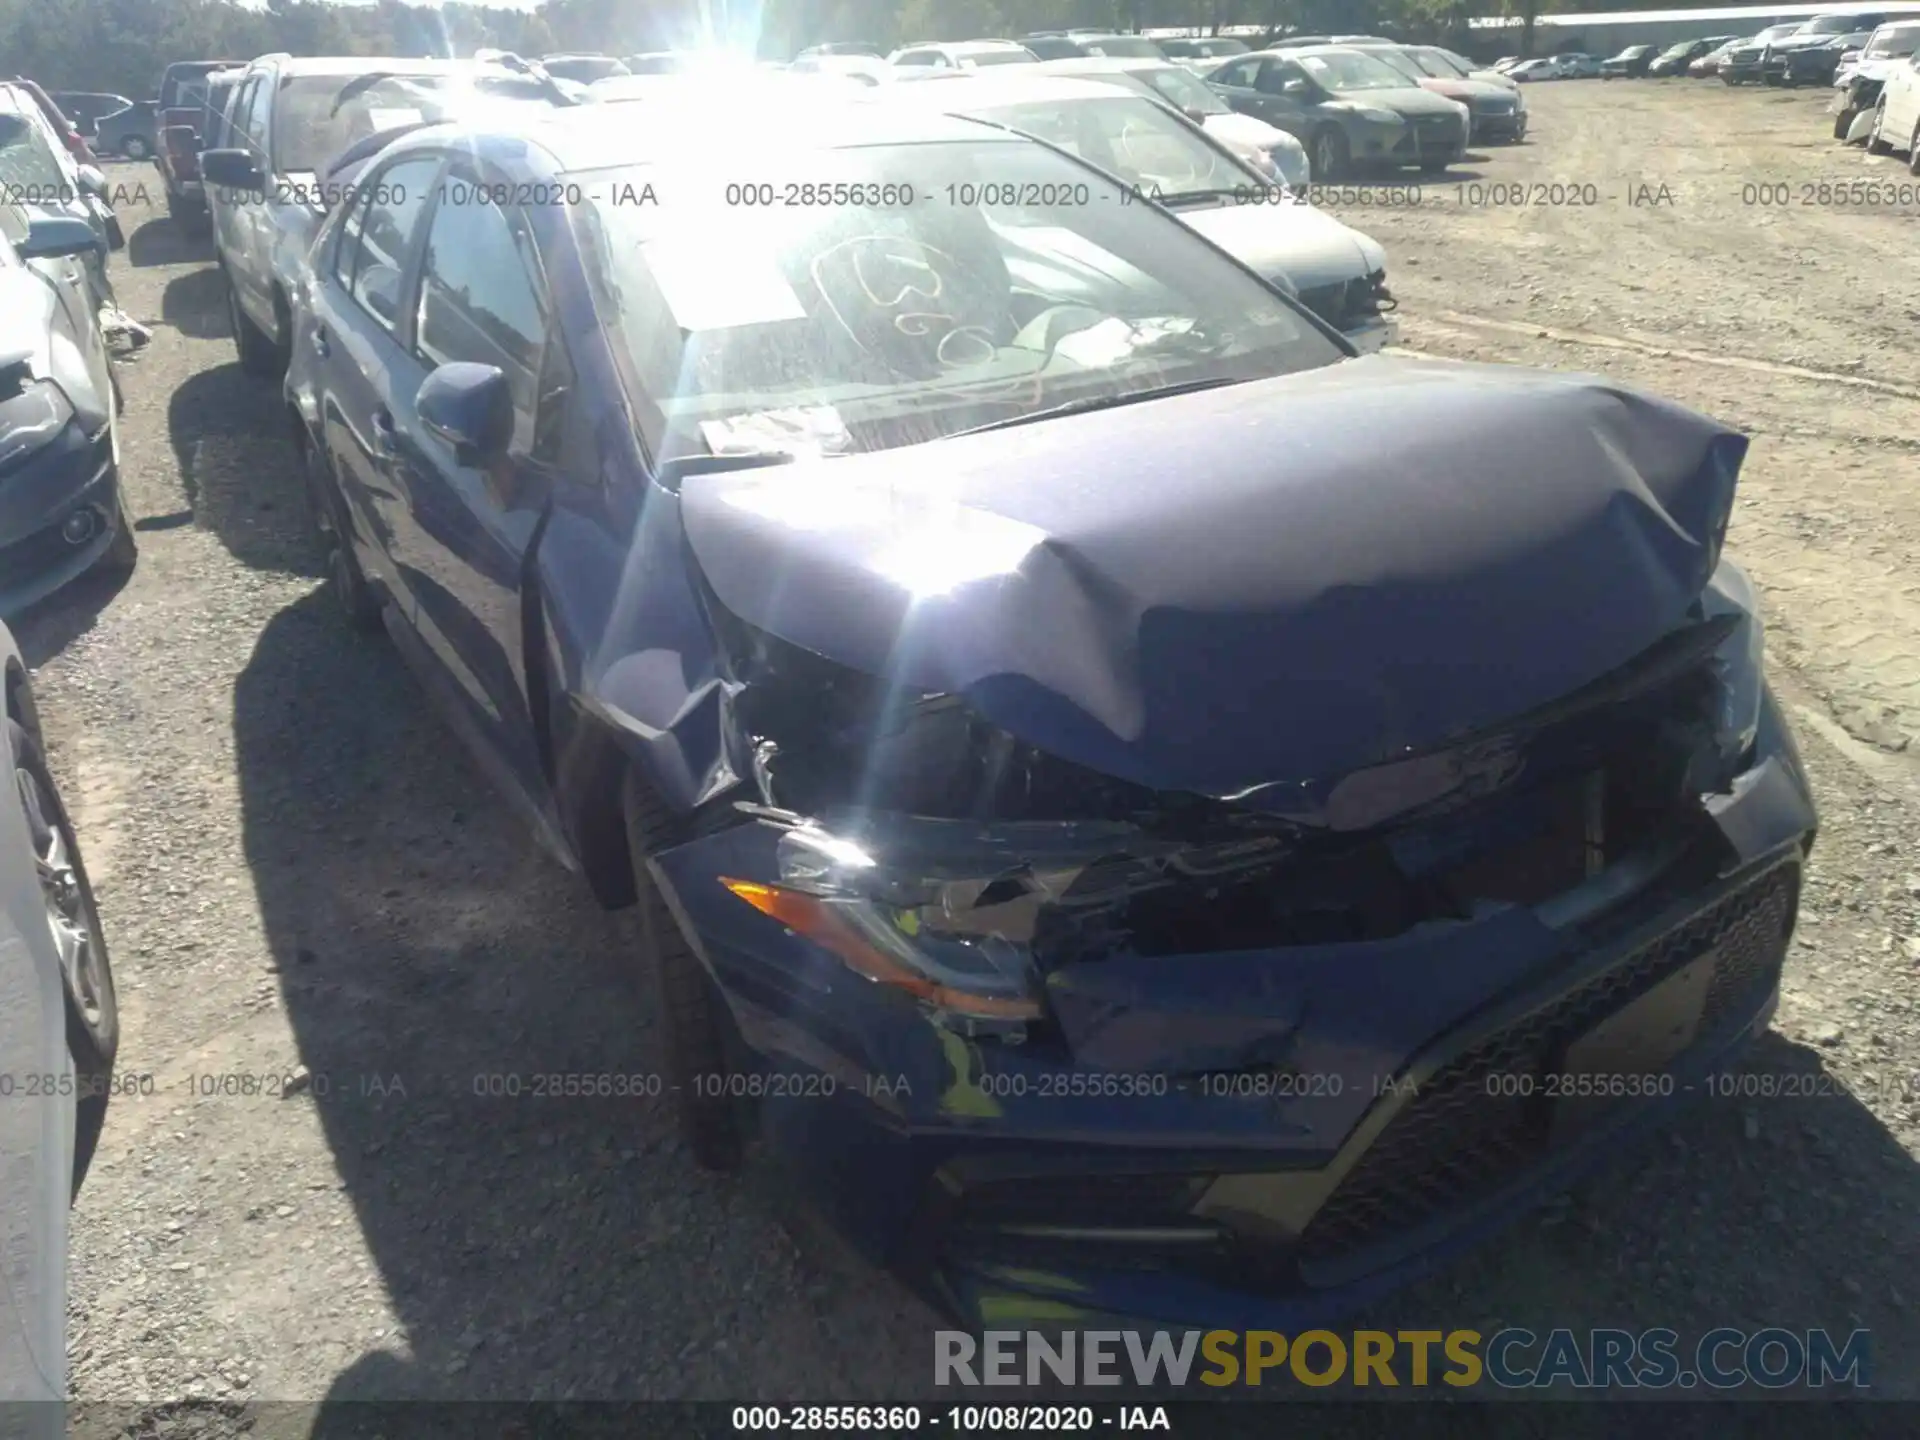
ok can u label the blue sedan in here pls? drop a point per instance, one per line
(1154, 815)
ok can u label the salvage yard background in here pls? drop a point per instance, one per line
(299, 868)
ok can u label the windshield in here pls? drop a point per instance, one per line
(1221, 47)
(1673, 51)
(1400, 62)
(1125, 48)
(320, 116)
(911, 318)
(1432, 62)
(1134, 139)
(1896, 40)
(1184, 90)
(30, 172)
(997, 57)
(1829, 25)
(1342, 70)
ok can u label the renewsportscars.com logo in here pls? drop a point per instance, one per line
(1511, 1359)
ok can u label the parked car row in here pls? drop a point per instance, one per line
(808, 572)
(1876, 88)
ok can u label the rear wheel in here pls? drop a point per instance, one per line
(86, 975)
(134, 148)
(1331, 156)
(692, 1017)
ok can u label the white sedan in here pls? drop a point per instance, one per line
(1896, 119)
(1544, 69)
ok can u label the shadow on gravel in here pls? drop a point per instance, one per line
(195, 304)
(161, 242)
(436, 968)
(45, 629)
(239, 470)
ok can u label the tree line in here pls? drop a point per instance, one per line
(121, 46)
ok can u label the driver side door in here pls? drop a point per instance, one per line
(1285, 98)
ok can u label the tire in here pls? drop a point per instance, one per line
(693, 1020)
(124, 553)
(258, 354)
(1331, 156)
(1433, 167)
(134, 148)
(1843, 122)
(1876, 144)
(354, 597)
(91, 1002)
(1913, 150)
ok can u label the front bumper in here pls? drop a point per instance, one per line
(1806, 67)
(1015, 1185)
(70, 473)
(1510, 126)
(1741, 69)
(1422, 144)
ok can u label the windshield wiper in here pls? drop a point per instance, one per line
(1088, 403)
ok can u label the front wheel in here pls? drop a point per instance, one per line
(134, 148)
(1843, 122)
(693, 1020)
(1433, 167)
(86, 975)
(358, 604)
(1913, 150)
(258, 354)
(1877, 142)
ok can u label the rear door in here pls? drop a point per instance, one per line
(250, 232)
(360, 336)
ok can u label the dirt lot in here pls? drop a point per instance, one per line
(300, 869)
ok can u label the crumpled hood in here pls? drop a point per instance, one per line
(1264, 583)
(1308, 246)
(28, 301)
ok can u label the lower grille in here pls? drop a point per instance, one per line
(1455, 1142)
(1080, 1199)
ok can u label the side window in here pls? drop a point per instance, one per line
(1243, 73)
(253, 120)
(378, 234)
(915, 57)
(1274, 76)
(480, 300)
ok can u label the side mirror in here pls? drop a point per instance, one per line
(231, 170)
(56, 237)
(92, 181)
(1296, 86)
(470, 407)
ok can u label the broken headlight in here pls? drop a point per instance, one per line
(961, 943)
(1739, 662)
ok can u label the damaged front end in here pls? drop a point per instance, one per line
(1155, 1050)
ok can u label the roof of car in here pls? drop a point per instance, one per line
(580, 139)
(964, 46)
(1109, 65)
(355, 65)
(965, 92)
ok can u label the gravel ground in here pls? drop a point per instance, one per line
(301, 875)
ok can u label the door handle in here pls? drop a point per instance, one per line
(319, 341)
(386, 440)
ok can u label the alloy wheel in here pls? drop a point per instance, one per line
(66, 904)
